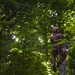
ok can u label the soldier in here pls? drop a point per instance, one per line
(57, 48)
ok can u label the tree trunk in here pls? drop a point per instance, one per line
(62, 68)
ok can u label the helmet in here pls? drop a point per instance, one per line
(55, 29)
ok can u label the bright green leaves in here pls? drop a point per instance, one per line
(25, 37)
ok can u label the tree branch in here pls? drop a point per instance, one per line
(12, 15)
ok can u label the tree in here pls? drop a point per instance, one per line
(25, 26)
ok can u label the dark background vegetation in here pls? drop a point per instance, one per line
(25, 30)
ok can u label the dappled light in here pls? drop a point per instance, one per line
(25, 31)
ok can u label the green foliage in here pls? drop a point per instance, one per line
(23, 62)
(25, 29)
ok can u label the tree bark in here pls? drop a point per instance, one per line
(62, 68)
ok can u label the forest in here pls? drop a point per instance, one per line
(25, 30)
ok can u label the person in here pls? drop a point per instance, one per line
(58, 47)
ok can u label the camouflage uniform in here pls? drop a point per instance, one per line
(57, 48)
